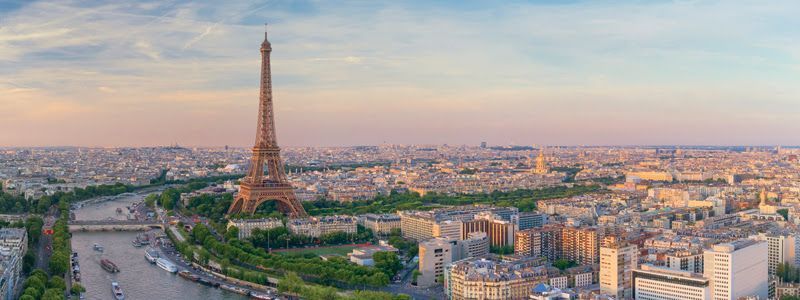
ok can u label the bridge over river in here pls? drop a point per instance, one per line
(113, 225)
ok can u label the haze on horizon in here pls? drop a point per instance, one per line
(108, 73)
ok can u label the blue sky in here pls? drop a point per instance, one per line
(110, 73)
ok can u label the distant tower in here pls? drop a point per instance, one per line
(541, 164)
(256, 188)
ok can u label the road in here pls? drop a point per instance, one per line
(405, 286)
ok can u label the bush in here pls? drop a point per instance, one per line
(77, 289)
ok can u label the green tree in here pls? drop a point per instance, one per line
(53, 294)
(59, 263)
(57, 282)
(77, 289)
(373, 295)
(232, 233)
(199, 233)
(415, 275)
(784, 212)
(504, 250)
(33, 292)
(387, 262)
(563, 264)
(34, 282)
(291, 283)
(28, 261)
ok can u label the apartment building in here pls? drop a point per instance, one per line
(246, 226)
(656, 283)
(737, 269)
(617, 262)
(381, 223)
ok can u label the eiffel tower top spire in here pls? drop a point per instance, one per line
(266, 45)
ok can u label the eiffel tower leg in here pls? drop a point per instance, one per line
(236, 206)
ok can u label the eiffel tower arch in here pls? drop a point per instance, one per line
(256, 187)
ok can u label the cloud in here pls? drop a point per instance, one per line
(200, 36)
(106, 89)
(364, 73)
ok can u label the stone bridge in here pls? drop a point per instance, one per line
(113, 225)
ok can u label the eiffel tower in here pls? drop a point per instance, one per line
(257, 188)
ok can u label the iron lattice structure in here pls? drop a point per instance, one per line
(256, 188)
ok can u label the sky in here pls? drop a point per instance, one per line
(148, 73)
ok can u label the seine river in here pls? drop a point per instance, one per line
(139, 279)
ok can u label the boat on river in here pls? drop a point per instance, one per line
(188, 275)
(234, 289)
(97, 247)
(260, 296)
(166, 265)
(151, 255)
(117, 290)
(109, 266)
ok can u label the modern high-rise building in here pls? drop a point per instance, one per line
(500, 231)
(617, 262)
(655, 283)
(422, 225)
(448, 229)
(687, 260)
(539, 242)
(474, 225)
(528, 220)
(737, 269)
(435, 254)
(475, 245)
(781, 248)
(417, 225)
(581, 245)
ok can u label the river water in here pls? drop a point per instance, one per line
(138, 278)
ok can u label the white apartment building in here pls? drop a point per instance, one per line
(13, 244)
(781, 248)
(617, 262)
(655, 283)
(434, 255)
(450, 229)
(688, 260)
(737, 269)
(381, 224)
(318, 226)
(246, 226)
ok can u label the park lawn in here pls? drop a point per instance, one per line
(340, 251)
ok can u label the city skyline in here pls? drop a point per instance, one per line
(551, 73)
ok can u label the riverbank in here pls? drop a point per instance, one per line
(169, 250)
